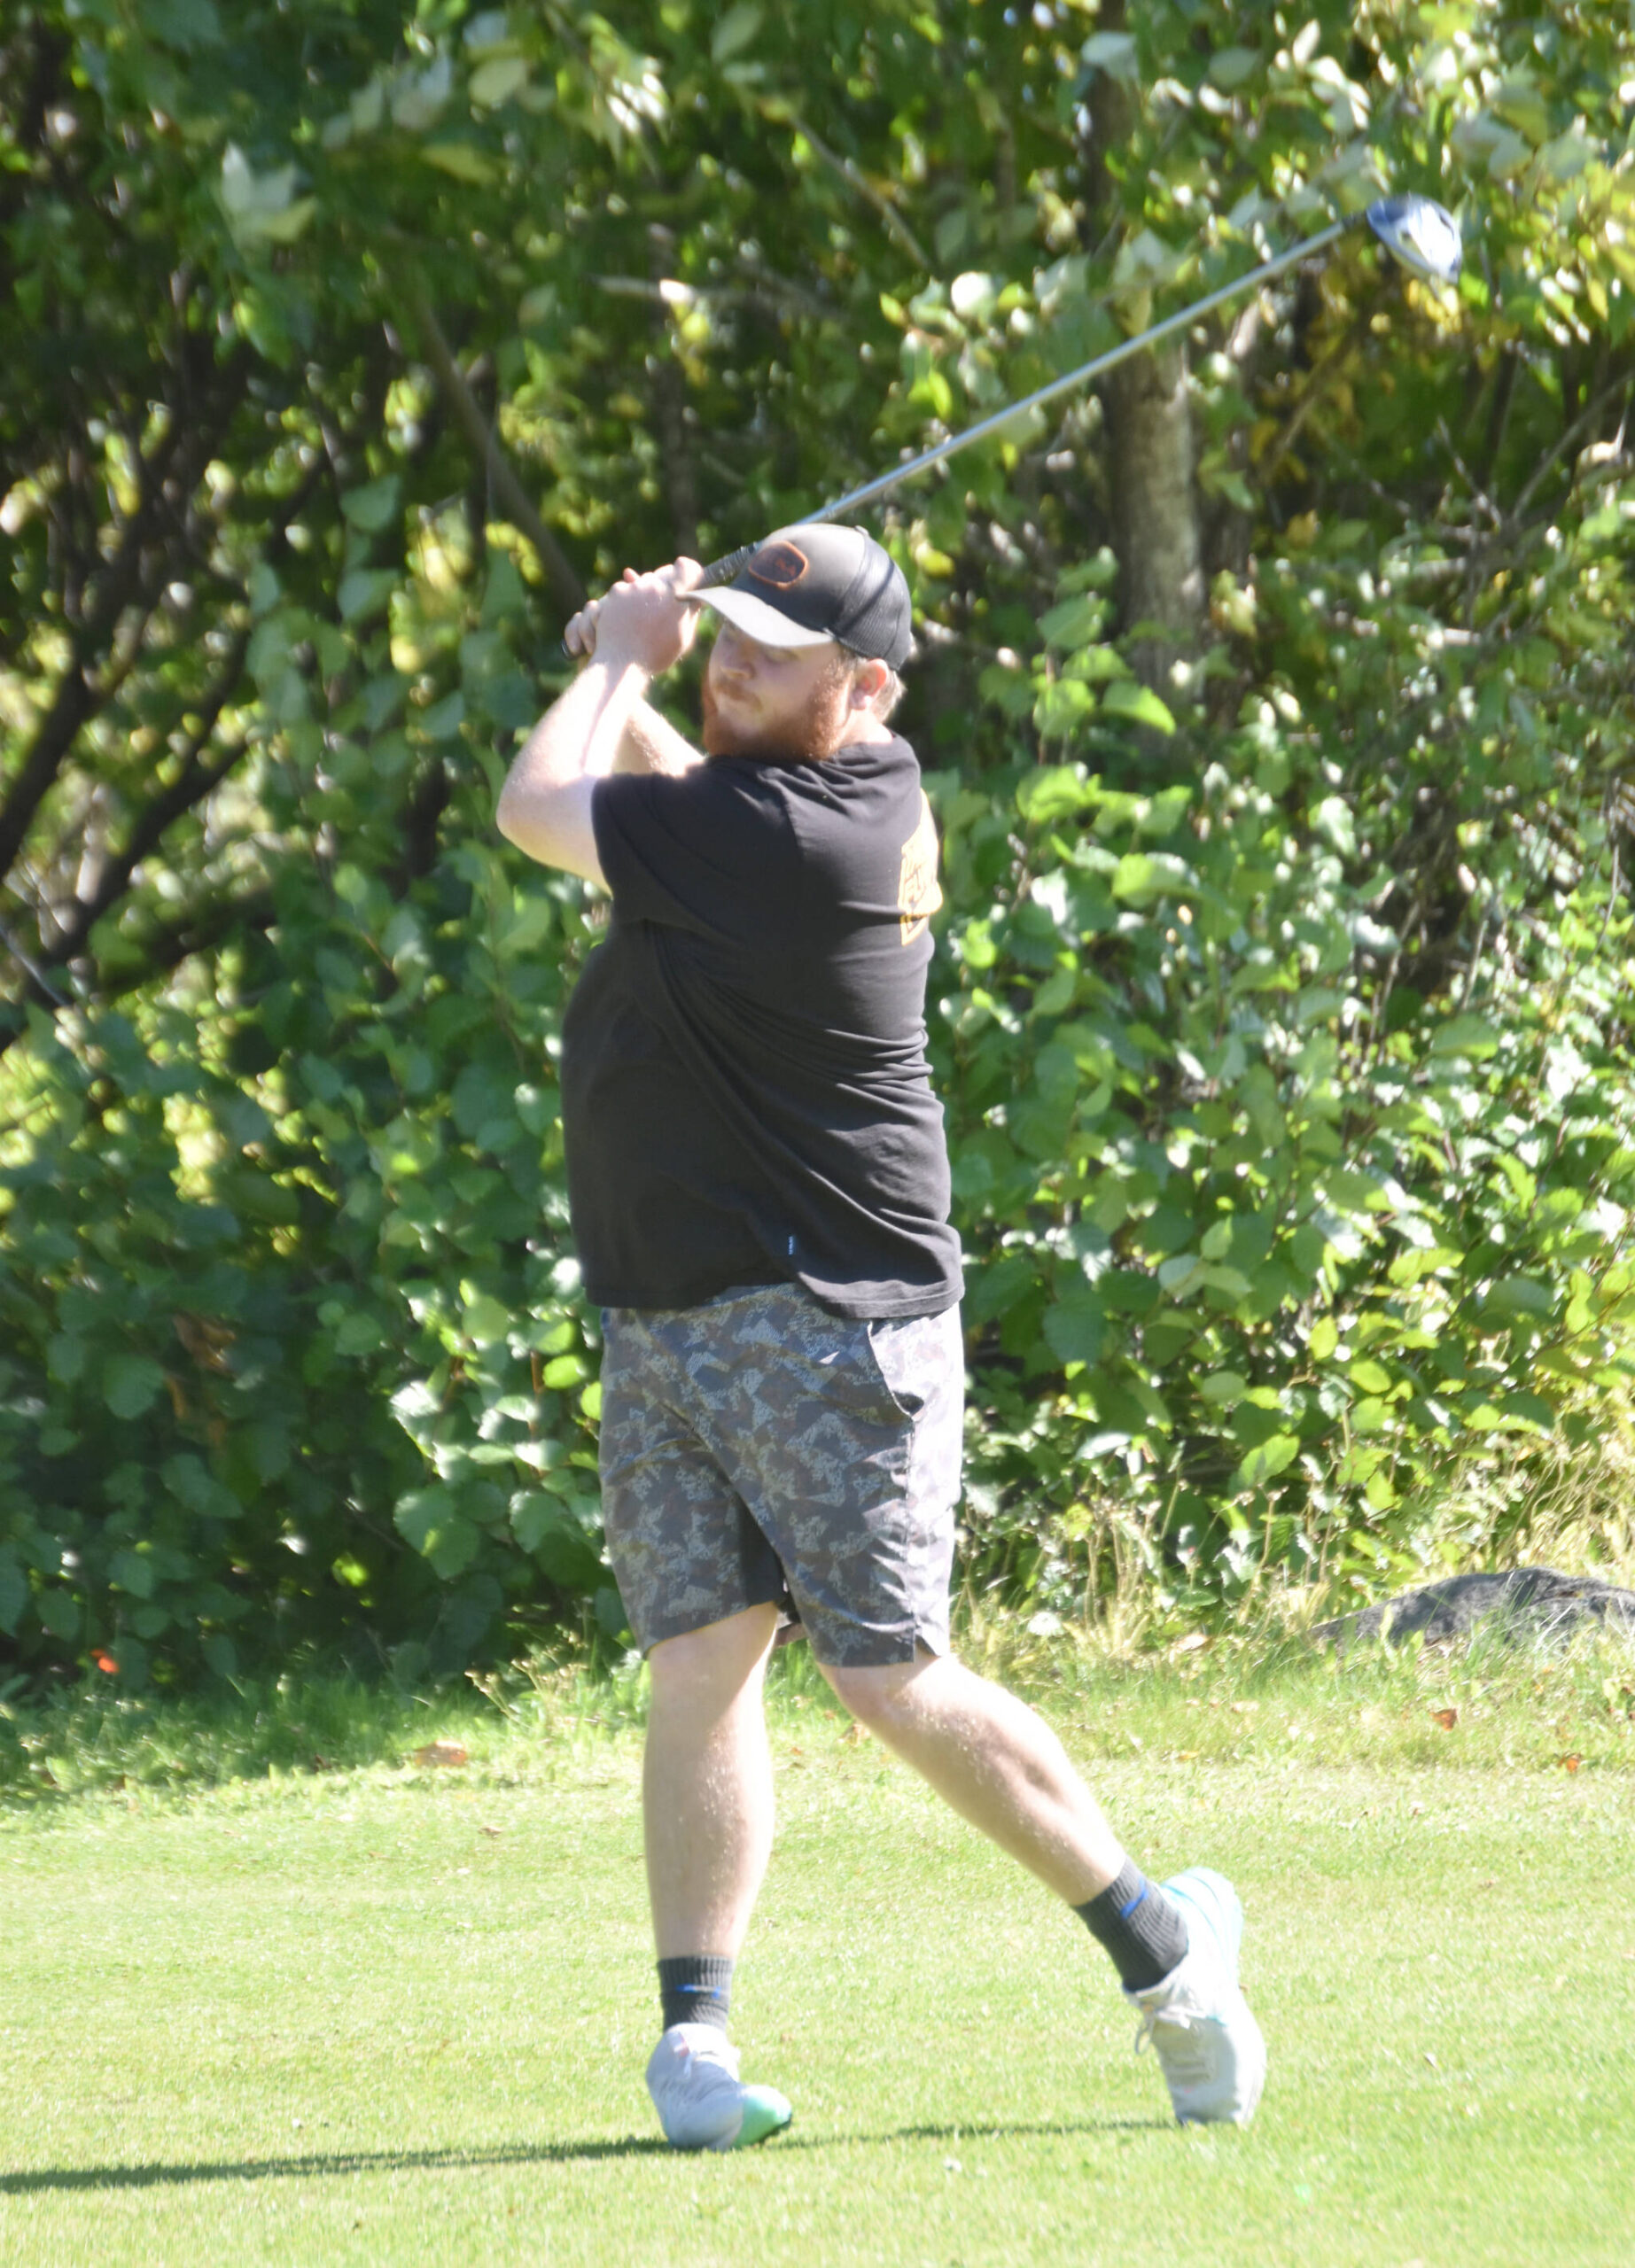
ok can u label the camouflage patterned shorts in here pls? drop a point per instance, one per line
(758, 1450)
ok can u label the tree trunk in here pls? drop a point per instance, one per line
(1154, 508)
(1150, 454)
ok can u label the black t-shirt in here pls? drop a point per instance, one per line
(745, 1097)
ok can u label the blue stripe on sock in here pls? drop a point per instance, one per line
(1125, 1912)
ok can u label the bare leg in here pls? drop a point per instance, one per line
(706, 1785)
(995, 1761)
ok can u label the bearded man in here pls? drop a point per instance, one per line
(759, 1185)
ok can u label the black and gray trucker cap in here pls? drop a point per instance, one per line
(809, 585)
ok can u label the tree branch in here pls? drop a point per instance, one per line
(178, 459)
(40, 985)
(566, 588)
(895, 226)
(196, 933)
(75, 699)
(773, 297)
(194, 783)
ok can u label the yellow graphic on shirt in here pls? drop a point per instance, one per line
(918, 895)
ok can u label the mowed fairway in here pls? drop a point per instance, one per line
(401, 2016)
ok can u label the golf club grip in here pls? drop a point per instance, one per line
(724, 570)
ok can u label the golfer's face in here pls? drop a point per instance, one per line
(777, 699)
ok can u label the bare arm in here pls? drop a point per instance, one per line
(602, 723)
(652, 744)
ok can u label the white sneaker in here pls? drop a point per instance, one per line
(692, 2076)
(1209, 2044)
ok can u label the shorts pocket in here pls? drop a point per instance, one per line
(896, 1353)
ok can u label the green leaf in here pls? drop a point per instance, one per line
(1418, 1262)
(1113, 52)
(260, 207)
(1333, 822)
(1053, 791)
(365, 592)
(220, 1654)
(268, 1444)
(430, 1520)
(58, 1612)
(1471, 1035)
(1222, 1389)
(997, 1285)
(133, 1571)
(185, 24)
(734, 31)
(495, 82)
(452, 1548)
(488, 1320)
(1137, 703)
(13, 1590)
(1062, 708)
(442, 721)
(357, 1334)
(373, 506)
(1168, 1229)
(550, 1535)
(1230, 1281)
(1231, 67)
(1165, 812)
(417, 1516)
(461, 159)
(1075, 1328)
(1267, 1461)
(65, 1357)
(1099, 665)
(130, 1383)
(1520, 1295)
(1142, 875)
(488, 31)
(1531, 1409)
(1076, 622)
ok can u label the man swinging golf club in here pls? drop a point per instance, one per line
(759, 1185)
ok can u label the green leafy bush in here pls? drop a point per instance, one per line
(292, 1345)
(1273, 1223)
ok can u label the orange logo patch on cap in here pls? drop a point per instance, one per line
(781, 564)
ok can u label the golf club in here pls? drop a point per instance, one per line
(1420, 234)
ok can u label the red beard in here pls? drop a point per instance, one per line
(803, 735)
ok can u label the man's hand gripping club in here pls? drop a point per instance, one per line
(602, 724)
(643, 619)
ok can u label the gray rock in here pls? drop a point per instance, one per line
(1531, 1601)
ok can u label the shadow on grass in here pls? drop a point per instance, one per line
(356, 2161)
(1041, 2130)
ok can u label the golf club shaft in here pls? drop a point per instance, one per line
(723, 571)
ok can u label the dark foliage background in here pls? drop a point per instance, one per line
(1276, 703)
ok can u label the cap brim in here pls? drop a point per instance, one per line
(761, 622)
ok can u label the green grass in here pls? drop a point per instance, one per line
(390, 2014)
(1256, 1698)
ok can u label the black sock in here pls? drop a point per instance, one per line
(1140, 1928)
(696, 1988)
